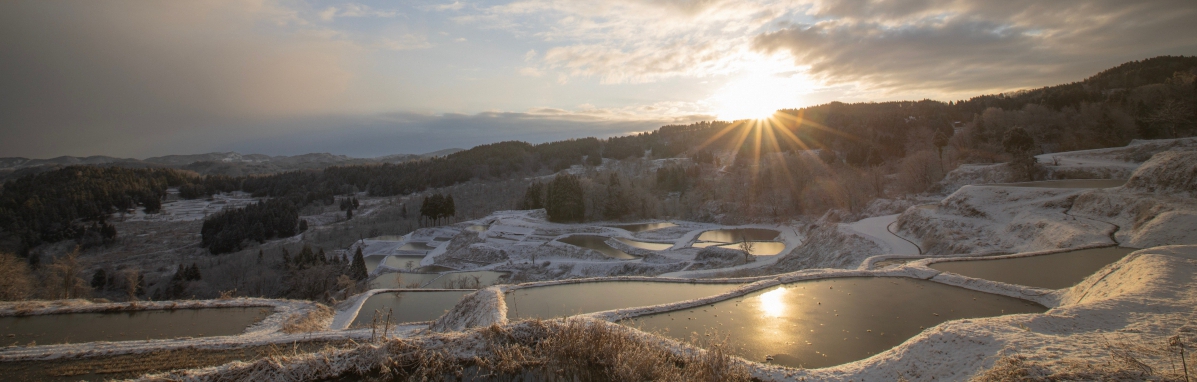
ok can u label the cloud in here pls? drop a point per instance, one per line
(393, 133)
(637, 41)
(403, 42)
(354, 10)
(963, 47)
(454, 6)
(119, 76)
(944, 47)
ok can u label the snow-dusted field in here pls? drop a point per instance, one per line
(1145, 298)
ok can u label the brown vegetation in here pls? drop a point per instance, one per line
(572, 349)
(16, 283)
(314, 320)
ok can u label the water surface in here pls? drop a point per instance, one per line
(458, 280)
(645, 244)
(643, 227)
(597, 243)
(416, 246)
(408, 306)
(128, 326)
(402, 261)
(1067, 183)
(570, 299)
(397, 280)
(828, 322)
(372, 262)
(1054, 271)
(739, 234)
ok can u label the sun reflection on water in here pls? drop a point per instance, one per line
(773, 303)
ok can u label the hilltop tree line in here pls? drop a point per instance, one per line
(228, 231)
(855, 144)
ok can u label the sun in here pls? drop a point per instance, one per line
(756, 96)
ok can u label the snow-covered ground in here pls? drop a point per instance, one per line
(195, 209)
(878, 229)
(1145, 298)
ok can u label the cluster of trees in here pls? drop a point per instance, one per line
(176, 288)
(563, 199)
(437, 207)
(59, 205)
(228, 231)
(349, 205)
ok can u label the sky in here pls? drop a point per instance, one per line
(371, 78)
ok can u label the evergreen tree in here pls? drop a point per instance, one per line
(616, 205)
(1020, 145)
(565, 199)
(533, 197)
(357, 270)
(99, 280)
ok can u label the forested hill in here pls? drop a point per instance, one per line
(1153, 98)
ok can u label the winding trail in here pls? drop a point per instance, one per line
(876, 228)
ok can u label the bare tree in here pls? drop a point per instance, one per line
(65, 279)
(15, 281)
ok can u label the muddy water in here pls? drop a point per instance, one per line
(645, 244)
(643, 227)
(823, 323)
(759, 248)
(408, 306)
(1068, 183)
(416, 246)
(570, 299)
(458, 280)
(402, 280)
(372, 262)
(403, 261)
(476, 228)
(128, 326)
(738, 234)
(596, 243)
(1055, 271)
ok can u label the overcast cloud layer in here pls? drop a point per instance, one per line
(137, 78)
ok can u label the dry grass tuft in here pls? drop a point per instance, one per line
(1127, 362)
(572, 349)
(314, 320)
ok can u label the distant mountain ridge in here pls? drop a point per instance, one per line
(222, 163)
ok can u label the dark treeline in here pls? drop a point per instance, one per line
(1153, 98)
(71, 202)
(438, 207)
(227, 231)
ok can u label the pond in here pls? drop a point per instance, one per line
(739, 234)
(597, 243)
(1054, 271)
(403, 261)
(570, 299)
(467, 280)
(643, 227)
(645, 244)
(407, 306)
(398, 280)
(372, 262)
(128, 326)
(759, 248)
(388, 238)
(476, 228)
(828, 322)
(1067, 183)
(416, 246)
